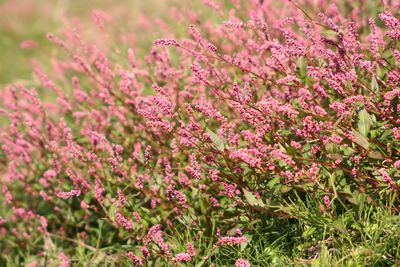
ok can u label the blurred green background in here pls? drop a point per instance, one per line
(31, 20)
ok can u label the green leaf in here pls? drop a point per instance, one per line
(338, 121)
(309, 231)
(219, 143)
(332, 184)
(385, 134)
(286, 189)
(253, 201)
(375, 155)
(331, 148)
(360, 139)
(339, 225)
(201, 263)
(352, 200)
(347, 189)
(329, 33)
(301, 65)
(98, 258)
(374, 84)
(283, 149)
(157, 262)
(364, 122)
(361, 201)
(201, 204)
(244, 245)
(112, 211)
(273, 182)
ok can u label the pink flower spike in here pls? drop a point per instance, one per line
(242, 263)
(166, 42)
(138, 261)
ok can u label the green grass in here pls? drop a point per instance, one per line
(358, 237)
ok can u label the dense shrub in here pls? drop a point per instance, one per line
(271, 134)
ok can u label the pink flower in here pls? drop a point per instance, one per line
(211, 4)
(242, 263)
(327, 202)
(29, 44)
(137, 216)
(69, 194)
(122, 221)
(84, 205)
(181, 257)
(98, 191)
(246, 156)
(199, 73)
(145, 252)
(396, 164)
(392, 23)
(138, 261)
(56, 40)
(230, 240)
(121, 198)
(196, 34)
(186, 256)
(190, 249)
(396, 133)
(32, 264)
(99, 18)
(232, 24)
(386, 177)
(64, 260)
(155, 234)
(7, 194)
(166, 42)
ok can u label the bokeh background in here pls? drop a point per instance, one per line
(25, 23)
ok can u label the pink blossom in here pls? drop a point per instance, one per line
(211, 4)
(186, 256)
(166, 42)
(121, 198)
(138, 261)
(98, 191)
(32, 264)
(64, 260)
(199, 73)
(327, 202)
(28, 44)
(84, 205)
(396, 164)
(155, 234)
(145, 252)
(69, 194)
(232, 24)
(392, 23)
(56, 40)
(122, 221)
(137, 216)
(242, 263)
(190, 249)
(181, 257)
(230, 240)
(246, 156)
(99, 17)
(7, 194)
(386, 177)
